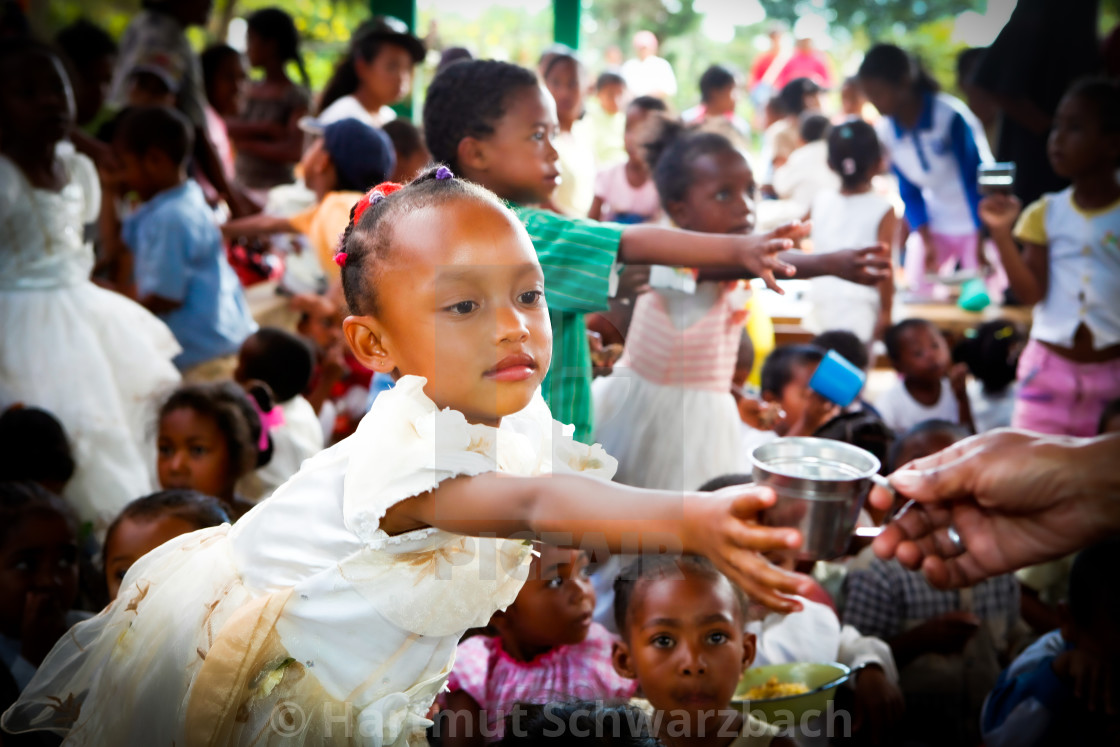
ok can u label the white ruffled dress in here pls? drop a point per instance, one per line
(96, 360)
(305, 623)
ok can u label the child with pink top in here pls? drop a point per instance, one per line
(547, 649)
(625, 192)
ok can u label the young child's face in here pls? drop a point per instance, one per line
(634, 134)
(36, 101)
(388, 76)
(724, 100)
(317, 168)
(193, 454)
(794, 397)
(258, 50)
(554, 606)
(147, 173)
(321, 322)
(228, 87)
(611, 96)
(563, 83)
(461, 303)
(684, 643)
(923, 354)
(721, 197)
(132, 539)
(1077, 143)
(39, 566)
(518, 162)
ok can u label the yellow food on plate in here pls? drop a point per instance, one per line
(775, 689)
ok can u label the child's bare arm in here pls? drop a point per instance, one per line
(578, 511)
(257, 225)
(756, 254)
(1028, 272)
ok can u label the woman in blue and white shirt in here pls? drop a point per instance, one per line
(934, 144)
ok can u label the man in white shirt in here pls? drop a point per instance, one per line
(649, 75)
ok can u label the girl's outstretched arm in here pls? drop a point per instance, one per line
(1028, 272)
(596, 515)
(756, 253)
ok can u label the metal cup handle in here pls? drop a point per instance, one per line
(872, 532)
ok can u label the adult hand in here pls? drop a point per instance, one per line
(1015, 499)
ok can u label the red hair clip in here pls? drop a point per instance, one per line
(340, 258)
(374, 196)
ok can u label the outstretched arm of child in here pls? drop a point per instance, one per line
(1028, 273)
(256, 225)
(756, 254)
(867, 266)
(577, 511)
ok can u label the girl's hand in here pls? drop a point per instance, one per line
(723, 526)
(759, 253)
(999, 212)
(868, 266)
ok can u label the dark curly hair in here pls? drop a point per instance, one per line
(367, 243)
(893, 337)
(671, 152)
(233, 412)
(279, 358)
(467, 100)
(21, 498)
(189, 505)
(664, 566)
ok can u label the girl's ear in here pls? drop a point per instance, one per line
(622, 660)
(364, 335)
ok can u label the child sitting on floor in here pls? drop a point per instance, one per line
(148, 522)
(284, 362)
(547, 649)
(681, 623)
(927, 388)
(1052, 693)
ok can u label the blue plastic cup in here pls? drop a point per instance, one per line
(837, 379)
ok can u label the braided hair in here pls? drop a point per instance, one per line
(368, 239)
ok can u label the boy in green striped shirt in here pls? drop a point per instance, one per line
(492, 123)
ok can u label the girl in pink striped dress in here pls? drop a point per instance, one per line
(666, 412)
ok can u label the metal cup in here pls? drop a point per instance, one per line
(821, 486)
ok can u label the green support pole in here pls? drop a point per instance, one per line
(565, 22)
(405, 10)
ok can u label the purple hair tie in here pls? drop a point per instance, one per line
(375, 198)
(443, 173)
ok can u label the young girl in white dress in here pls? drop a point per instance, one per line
(96, 360)
(331, 611)
(853, 216)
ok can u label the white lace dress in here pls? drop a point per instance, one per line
(96, 360)
(305, 623)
